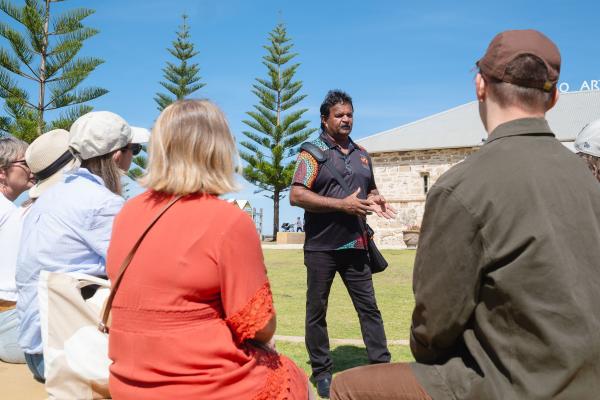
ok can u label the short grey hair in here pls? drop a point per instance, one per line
(10, 150)
(593, 164)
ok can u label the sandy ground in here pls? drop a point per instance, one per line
(17, 383)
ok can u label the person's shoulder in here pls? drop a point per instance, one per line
(457, 174)
(80, 192)
(304, 155)
(139, 200)
(201, 206)
(6, 208)
(83, 183)
(320, 143)
(230, 210)
(226, 215)
(360, 148)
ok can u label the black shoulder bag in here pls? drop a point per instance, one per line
(376, 260)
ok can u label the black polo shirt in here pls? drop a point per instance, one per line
(334, 230)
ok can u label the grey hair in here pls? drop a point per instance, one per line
(593, 163)
(10, 149)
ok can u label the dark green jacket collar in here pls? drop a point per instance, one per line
(522, 126)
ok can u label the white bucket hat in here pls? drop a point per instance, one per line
(588, 140)
(48, 157)
(98, 133)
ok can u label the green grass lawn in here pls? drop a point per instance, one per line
(393, 289)
(344, 356)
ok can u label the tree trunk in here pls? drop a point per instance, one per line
(275, 214)
(44, 55)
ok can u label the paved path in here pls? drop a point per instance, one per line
(274, 246)
(355, 342)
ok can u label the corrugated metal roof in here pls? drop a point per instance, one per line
(462, 127)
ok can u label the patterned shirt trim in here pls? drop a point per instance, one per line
(307, 167)
(320, 144)
(355, 244)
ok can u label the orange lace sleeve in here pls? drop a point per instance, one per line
(254, 316)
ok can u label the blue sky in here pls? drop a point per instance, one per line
(400, 61)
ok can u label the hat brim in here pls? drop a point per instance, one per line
(570, 146)
(579, 149)
(139, 135)
(40, 187)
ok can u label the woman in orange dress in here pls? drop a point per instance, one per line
(194, 313)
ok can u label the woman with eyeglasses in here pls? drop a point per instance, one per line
(15, 178)
(68, 228)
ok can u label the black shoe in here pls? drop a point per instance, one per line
(323, 386)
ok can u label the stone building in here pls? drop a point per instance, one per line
(409, 159)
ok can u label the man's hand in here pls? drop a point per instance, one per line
(355, 206)
(380, 207)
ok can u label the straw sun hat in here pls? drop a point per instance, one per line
(48, 157)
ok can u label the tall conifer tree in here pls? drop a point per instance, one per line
(277, 129)
(139, 165)
(44, 52)
(180, 80)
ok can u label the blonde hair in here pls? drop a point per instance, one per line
(191, 150)
(106, 168)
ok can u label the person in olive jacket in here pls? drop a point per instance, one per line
(507, 274)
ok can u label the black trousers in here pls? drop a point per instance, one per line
(353, 268)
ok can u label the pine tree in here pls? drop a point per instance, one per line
(278, 130)
(141, 163)
(45, 55)
(183, 79)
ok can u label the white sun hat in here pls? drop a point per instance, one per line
(98, 133)
(48, 157)
(588, 140)
(139, 135)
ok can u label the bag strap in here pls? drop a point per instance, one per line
(319, 155)
(342, 182)
(105, 313)
(337, 176)
(323, 157)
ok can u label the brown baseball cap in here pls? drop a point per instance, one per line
(508, 45)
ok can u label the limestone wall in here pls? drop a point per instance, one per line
(400, 179)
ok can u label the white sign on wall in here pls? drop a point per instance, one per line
(592, 84)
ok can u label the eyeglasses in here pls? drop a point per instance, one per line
(135, 148)
(22, 162)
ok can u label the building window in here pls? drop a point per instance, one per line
(425, 182)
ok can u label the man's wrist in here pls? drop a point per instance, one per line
(336, 204)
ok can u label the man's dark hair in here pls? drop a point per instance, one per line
(526, 68)
(332, 98)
